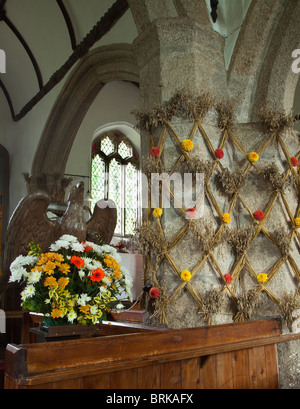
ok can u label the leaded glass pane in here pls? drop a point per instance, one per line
(97, 180)
(131, 198)
(124, 150)
(107, 146)
(115, 191)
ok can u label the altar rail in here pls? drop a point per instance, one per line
(231, 356)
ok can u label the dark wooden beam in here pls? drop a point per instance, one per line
(104, 25)
(13, 28)
(68, 23)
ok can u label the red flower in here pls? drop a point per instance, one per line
(228, 278)
(154, 293)
(79, 263)
(294, 161)
(258, 215)
(219, 153)
(97, 275)
(191, 213)
(88, 248)
(154, 152)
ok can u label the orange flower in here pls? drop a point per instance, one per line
(50, 282)
(77, 261)
(56, 313)
(97, 275)
(49, 267)
(55, 257)
(63, 282)
(84, 308)
(117, 272)
(43, 259)
(88, 248)
(64, 268)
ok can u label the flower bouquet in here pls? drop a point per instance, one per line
(74, 283)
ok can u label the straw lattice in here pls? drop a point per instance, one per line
(237, 203)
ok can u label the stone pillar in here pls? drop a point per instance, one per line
(177, 49)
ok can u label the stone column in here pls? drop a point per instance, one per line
(177, 49)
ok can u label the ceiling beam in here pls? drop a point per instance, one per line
(19, 36)
(104, 25)
(68, 23)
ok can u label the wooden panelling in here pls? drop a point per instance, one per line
(224, 374)
(240, 369)
(148, 377)
(171, 375)
(126, 379)
(233, 356)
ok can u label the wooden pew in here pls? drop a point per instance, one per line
(231, 356)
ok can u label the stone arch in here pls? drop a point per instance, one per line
(250, 52)
(276, 85)
(104, 64)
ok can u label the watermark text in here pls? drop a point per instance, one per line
(2, 322)
(296, 63)
(2, 62)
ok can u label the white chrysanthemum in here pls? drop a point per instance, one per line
(22, 261)
(88, 263)
(81, 273)
(106, 280)
(83, 299)
(17, 273)
(69, 238)
(28, 292)
(120, 306)
(59, 244)
(93, 309)
(72, 316)
(77, 247)
(34, 277)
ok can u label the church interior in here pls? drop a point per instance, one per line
(150, 194)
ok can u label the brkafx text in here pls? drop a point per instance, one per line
(152, 398)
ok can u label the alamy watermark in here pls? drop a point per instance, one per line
(296, 63)
(2, 62)
(165, 191)
(2, 322)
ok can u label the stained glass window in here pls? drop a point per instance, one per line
(115, 176)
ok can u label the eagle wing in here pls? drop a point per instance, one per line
(28, 223)
(103, 222)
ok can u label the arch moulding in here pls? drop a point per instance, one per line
(99, 66)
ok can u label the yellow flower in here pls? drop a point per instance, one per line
(185, 275)
(49, 267)
(297, 222)
(262, 278)
(56, 313)
(187, 145)
(253, 157)
(157, 213)
(63, 282)
(226, 218)
(64, 268)
(43, 259)
(54, 257)
(50, 282)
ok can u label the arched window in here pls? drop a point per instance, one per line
(115, 176)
